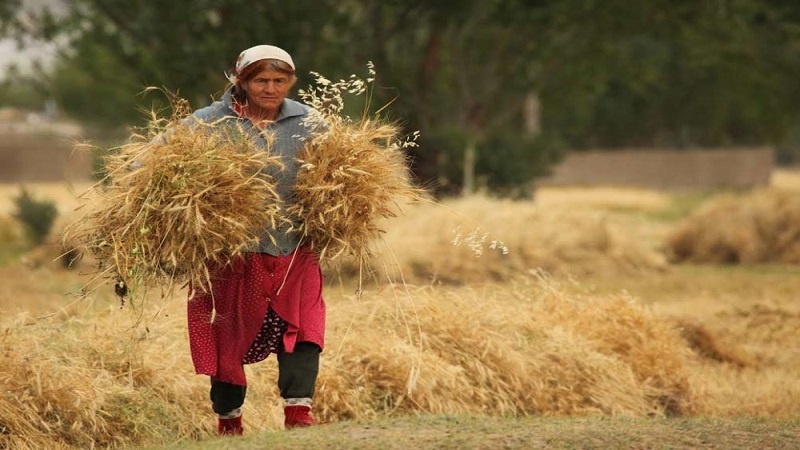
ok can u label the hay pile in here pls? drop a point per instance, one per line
(353, 174)
(746, 346)
(481, 239)
(178, 200)
(762, 227)
(77, 383)
(522, 349)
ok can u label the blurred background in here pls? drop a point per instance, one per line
(507, 94)
(637, 152)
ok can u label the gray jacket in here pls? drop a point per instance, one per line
(289, 131)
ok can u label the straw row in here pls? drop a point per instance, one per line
(760, 227)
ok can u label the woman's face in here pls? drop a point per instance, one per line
(267, 89)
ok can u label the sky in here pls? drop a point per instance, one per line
(10, 55)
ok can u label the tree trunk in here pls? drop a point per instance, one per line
(532, 114)
(470, 155)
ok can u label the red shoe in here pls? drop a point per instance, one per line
(298, 416)
(230, 427)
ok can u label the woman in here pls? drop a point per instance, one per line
(270, 301)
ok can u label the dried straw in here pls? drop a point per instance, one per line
(520, 348)
(455, 242)
(178, 200)
(524, 347)
(353, 174)
(757, 228)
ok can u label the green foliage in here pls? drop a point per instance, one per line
(673, 74)
(507, 163)
(609, 73)
(19, 93)
(37, 216)
(787, 153)
(96, 87)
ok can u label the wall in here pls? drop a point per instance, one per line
(37, 147)
(668, 169)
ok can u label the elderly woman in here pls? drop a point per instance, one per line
(270, 301)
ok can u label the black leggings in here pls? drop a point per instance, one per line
(297, 376)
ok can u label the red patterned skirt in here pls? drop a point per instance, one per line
(289, 287)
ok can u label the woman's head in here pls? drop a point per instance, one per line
(259, 65)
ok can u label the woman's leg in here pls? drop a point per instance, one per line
(297, 378)
(227, 400)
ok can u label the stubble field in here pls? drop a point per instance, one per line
(563, 322)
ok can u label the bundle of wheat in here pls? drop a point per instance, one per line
(760, 227)
(353, 174)
(178, 200)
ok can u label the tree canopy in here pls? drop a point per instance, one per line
(498, 88)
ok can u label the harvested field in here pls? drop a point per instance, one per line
(603, 333)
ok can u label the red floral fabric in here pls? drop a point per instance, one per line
(241, 294)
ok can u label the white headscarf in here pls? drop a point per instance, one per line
(258, 53)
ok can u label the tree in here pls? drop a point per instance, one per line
(182, 46)
(666, 73)
(458, 70)
(604, 73)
